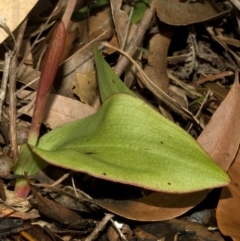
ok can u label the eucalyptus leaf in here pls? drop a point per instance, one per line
(127, 141)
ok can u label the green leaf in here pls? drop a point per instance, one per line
(139, 10)
(127, 141)
(27, 162)
(84, 12)
(108, 81)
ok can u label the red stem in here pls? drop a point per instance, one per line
(47, 77)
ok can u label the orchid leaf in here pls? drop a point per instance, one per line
(108, 82)
(127, 141)
(27, 162)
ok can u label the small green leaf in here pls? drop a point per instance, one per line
(146, 51)
(127, 141)
(198, 100)
(84, 12)
(108, 81)
(139, 10)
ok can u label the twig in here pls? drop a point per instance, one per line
(12, 88)
(136, 39)
(200, 109)
(118, 230)
(61, 179)
(236, 3)
(4, 81)
(4, 26)
(27, 236)
(213, 77)
(68, 12)
(127, 29)
(213, 36)
(99, 227)
(25, 86)
(8, 56)
(38, 36)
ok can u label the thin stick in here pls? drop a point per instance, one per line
(236, 3)
(200, 109)
(68, 12)
(127, 29)
(38, 36)
(25, 86)
(12, 88)
(118, 230)
(136, 39)
(100, 226)
(224, 45)
(4, 81)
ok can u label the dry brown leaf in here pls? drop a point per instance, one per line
(28, 76)
(56, 211)
(6, 211)
(60, 110)
(157, 61)
(120, 19)
(221, 137)
(67, 70)
(12, 14)
(6, 164)
(157, 58)
(86, 83)
(219, 91)
(177, 12)
(18, 208)
(228, 212)
(86, 86)
(154, 207)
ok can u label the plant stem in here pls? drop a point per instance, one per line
(48, 74)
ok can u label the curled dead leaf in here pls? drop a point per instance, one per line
(179, 13)
(221, 137)
(228, 213)
(154, 207)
